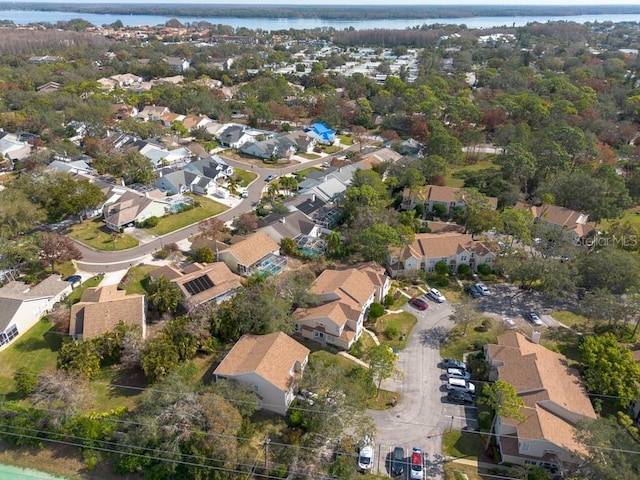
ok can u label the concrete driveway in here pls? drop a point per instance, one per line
(422, 415)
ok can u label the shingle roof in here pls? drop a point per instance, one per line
(552, 392)
(221, 278)
(441, 245)
(272, 357)
(100, 309)
(352, 285)
(253, 248)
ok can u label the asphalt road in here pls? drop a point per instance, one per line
(423, 414)
(101, 261)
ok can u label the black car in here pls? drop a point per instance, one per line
(457, 396)
(73, 279)
(397, 461)
(453, 363)
(473, 291)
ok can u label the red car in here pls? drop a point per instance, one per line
(419, 303)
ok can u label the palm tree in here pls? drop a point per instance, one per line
(334, 243)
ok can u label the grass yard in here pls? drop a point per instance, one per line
(171, 223)
(304, 173)
(243, 177)
(65, 269)
(458, 471)
(309, 156)
(457, 345)
(564, 341)
(36, 349)
(74, 297)
(455, 177)
(461, 444)
(571, 320)
(631, 215)
(331, 149)
(137, 279)
(94, 234)
(384, 400)
(393, 329)
(345, 139)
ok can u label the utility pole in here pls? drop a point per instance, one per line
(267, 441)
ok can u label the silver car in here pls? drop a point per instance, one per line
(436, 296)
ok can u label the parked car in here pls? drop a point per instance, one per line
(462, 385)
(244, 194)
(271, 176)
(460, 397)
(73, 279)
(397, 461)
(417, 468)
(365, 457)
(534, 318)
(419, 303)
(453, 363)
(473, 291)
(483, 289)
(326, 164)
(458, 373)
(435, 295)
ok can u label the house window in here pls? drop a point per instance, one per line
(524, 447)
(432, 260)
(297, 327)
(430, 269)
(463, 258)
(256, 388)
(12, 333)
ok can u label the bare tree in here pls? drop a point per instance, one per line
(465, 313)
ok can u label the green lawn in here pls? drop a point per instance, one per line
(171, 223)
(331, 149)
(305, 172)
(310, 156)
(631, 215)
(564, 341)
(457, 344)
(455, 177)
(461, 444)
(383, 401)
(399, 325)
(94, 234)
(571, 320)
(75, 296)
(137, 279)
(345, 139)
(36, 349)
(243, 177)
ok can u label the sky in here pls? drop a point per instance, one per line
(361, 2)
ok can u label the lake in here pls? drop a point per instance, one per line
(8, 472)
(23, 17)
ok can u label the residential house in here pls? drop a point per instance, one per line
(182, 181)
(49, 87)
(329, 184)
(378, 156)
(160, 156)
(22, 305)
(131, 207)
(322, 133)
(71, 166)
(233, 136)
(283, 146)
(271, 365)
(12, 147)
(427, 249)
(177, 64)
(554, 401)
(122, 111)
(575, 224)
(448, 198)
(152, 113)
(101, 309)
(200, 284)
(213, 167)
(38, 60)
(295, 225)
(168, 118)
(194, 122)
(257, 253)
(343, 301)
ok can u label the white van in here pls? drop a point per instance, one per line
(461, 384)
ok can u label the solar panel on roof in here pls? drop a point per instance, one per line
(198, 285)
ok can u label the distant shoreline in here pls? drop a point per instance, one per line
(331, 12)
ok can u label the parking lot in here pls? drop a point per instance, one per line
(424, 413)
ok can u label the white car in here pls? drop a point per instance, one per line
(458, 373)
(417, 468)
(365, 457)
(462, 385)
(436, 296)
(484, 291)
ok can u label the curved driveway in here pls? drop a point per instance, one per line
(101, 261)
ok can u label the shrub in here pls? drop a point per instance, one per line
(391, 332)
(479, 344)
(464, 269)
(439, 210)
(376, 311)
(484, 420)
(26, 381)
(149, 222)
(441, 281)
(441, 268)
(203, 255)
(484, 269)
(161, 254)
(388, 299)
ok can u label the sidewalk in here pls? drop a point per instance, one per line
(372, 335)
(354, 359)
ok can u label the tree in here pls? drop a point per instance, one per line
(17, 213)
(214, 229)
(517, 224)
(610, 268)
(382, 364)
(203, 255)
(504, 400)
(288, 246)
(165, 295)
(477, 215)
(80, 356)
(63, 393)
(610, 368)
(26, 381)
(57, 248)
(159, 357)
(374, 241)
(334, 243)
(245, 223)
(464, 313)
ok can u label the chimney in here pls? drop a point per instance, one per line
(535, 336)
